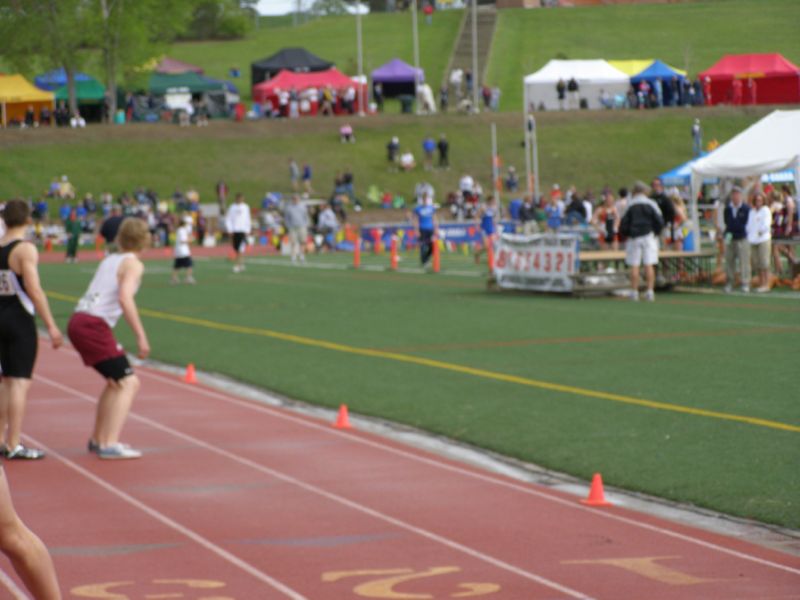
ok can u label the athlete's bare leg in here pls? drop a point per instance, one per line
(112, 409)
(25, 550)
(13, 397)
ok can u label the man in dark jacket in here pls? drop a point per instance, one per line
(666, 207)
(641, 224)
(736, 244)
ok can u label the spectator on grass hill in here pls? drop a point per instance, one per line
(641, 224)
(444, 152)
(428, 148)
(561, 91)
(573, 89)
(736, 245)
(393, 150)
(307, 179)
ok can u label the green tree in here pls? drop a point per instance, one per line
(133, 32)
(221, 19)
(47, 34)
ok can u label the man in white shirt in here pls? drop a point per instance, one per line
(237, 223)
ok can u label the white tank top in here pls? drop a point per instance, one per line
(102, 298)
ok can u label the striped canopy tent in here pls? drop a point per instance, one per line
(17, 94)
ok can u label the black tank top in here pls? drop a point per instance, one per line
(12, 285)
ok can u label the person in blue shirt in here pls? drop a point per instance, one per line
(488, 216)
(428, 148)
(428, 225)
(553, 214)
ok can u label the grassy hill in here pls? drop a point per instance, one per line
(386, 36)
(691, 36)
(590, 149)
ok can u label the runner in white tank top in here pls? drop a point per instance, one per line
(111, 294)
(102, 297)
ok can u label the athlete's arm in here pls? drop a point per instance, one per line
(130, 274)
(24, 260)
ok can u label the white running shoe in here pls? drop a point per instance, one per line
(650, 296)
(118, 452)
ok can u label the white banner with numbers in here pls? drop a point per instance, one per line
(540, 262)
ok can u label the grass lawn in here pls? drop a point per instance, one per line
(725, 354)
(385, 36)
(588, 149)
(687, 35)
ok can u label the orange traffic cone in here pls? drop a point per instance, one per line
(596, 495)
(48, 245)
(190, 376)
(437, 259)
(357, 253)
(342, 419)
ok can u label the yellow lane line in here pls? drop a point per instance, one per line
(456, 368)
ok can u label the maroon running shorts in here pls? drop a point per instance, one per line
(93, 339)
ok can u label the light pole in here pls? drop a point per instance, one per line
(361, 80)
(535, 145)
(415, 37)
(475, 56)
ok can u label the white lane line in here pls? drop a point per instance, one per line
(312, 489)
(165, 520)
(16, 592)
(253, 405)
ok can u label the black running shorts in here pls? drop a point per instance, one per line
(19, 342)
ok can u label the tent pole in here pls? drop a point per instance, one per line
(495, 165)
(475, 96)
(4, 114)
(415, 39)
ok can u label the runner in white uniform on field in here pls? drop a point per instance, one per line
(183, 252)
(110, 295)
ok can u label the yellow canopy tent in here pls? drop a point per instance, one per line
(636, 66)
(17, 94)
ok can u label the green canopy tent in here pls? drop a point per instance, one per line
(161, 84)
(90, 94)
(179, 89)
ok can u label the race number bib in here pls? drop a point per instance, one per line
(7, 287)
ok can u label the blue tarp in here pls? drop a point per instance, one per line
(57, 78)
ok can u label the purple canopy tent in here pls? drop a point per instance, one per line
(397, 78)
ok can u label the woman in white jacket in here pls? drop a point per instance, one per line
(759, 223)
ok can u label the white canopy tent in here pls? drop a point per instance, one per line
(539, 88)
(772, 144)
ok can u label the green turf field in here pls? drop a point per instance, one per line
(441, 353)
(687, 35)
(587, 149)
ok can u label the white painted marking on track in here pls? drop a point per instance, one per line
(462, 471)
(165, 520)
(302, 485)
(16, 592)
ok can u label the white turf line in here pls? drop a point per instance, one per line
(253, 405)
(298, 483)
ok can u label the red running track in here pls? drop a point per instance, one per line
(235, 500)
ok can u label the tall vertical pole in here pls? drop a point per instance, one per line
(475, 56)
(415, 37)
(495, 165)
(361, 79)
(535, 145)
(526, 126)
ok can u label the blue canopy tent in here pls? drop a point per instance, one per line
(57, 78)
(660, 70)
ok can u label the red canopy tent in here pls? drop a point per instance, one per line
(302, 83)
(753, 79)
